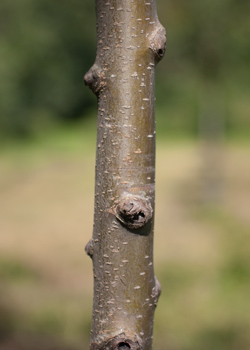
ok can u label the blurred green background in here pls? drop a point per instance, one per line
(47, 151)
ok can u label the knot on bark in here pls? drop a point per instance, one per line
(120, 342)
(94, 79)
(89, 249)
(133, 211)
(156, 291)
(158, 42)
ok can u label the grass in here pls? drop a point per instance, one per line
(14, 271)
(202, 246)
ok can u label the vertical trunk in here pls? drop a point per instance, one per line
(130, 41)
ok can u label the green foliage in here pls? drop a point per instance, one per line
(47, 46)
(48, 322)
(207, 36)
(14, 271)
(207, 49)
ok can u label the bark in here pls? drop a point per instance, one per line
(130, 41)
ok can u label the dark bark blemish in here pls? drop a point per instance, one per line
(123, 346)
(120, 342)
(133, 211)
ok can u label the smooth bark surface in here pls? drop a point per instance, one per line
(130, 41)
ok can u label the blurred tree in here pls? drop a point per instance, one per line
(43, 58)
(46, 46)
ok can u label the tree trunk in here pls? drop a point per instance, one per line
(130, 41)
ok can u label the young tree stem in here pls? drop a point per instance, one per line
(130, 41)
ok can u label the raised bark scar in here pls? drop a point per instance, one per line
(133, 211)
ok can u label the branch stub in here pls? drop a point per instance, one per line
(94, 79)
(158, 43)
(89, 249)
(133, 211)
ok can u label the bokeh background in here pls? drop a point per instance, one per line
(47, 155)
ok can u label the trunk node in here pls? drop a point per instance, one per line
(94, 79)
(133, 211)
(89, 249)
(158, 43)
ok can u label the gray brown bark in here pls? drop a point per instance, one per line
(130, 41)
